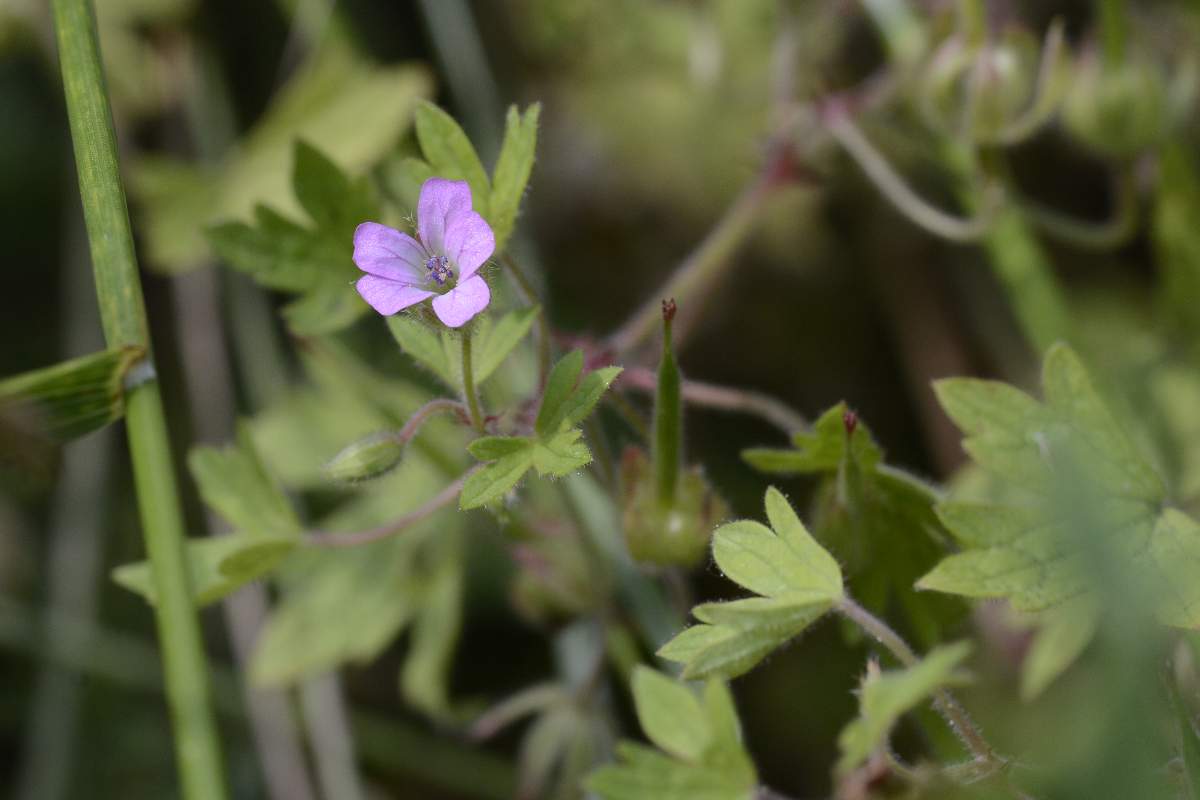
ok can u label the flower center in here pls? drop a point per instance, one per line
(439, 269)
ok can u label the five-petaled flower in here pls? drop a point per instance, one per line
(454, 243)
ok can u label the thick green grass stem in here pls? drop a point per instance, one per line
(123, 314)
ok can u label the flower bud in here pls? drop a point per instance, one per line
(1118, 110)
(996, 83)
(367, 458)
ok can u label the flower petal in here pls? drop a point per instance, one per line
(457, 306)
(469, 241)
(386, 296)
(388, 253)
(439, 197)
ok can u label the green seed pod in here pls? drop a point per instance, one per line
(668, 416)
(674, 534)
(367, 458)
(1120, 110)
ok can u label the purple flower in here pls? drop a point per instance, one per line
(454, 243)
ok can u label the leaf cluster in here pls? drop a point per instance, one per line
(554, 447)
(700, 755)
(797, 581)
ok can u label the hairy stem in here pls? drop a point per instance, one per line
(698, 271)
(352, 539)
(123, 315)
(893, 187)
(439, 405)
(468, 377)
(724, 398)
(947, 705)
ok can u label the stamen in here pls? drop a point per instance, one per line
(439, 269)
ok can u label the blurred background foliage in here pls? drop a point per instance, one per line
(656, 115)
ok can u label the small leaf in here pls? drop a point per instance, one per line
(424, 346)
(670, 714)
(496, 479)
(498, 340)
(424, 679)
(824, 449)
(349, 109)
(561, 454)
(1061, 637)
(877, 520)
(593, 386)
(559, 386)
(825, 576)
(886, 696)
(800, 582)
(722, 716)
(233, 482)
(325, 310)
(218, 565)
(709, 761)
(326, 194)
(512, 169)
(315, 261)
(741, 634)
(379, 587)
(490, 448)
(645, 774)
(67, 400)
(449, 152)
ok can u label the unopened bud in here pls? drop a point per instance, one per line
(367, 458)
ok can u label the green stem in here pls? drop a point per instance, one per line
(468, 376)
(698, 272)
(956, 716)
(124, 319)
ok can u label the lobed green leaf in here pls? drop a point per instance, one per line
(217, 565)
(513, 167)
(450, 153)
(670, 714)
(559, 386)
(496, 479)
(886, 696)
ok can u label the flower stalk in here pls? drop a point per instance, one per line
(947, 704)
(698, 272)
(468, 376)
(123, 315)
